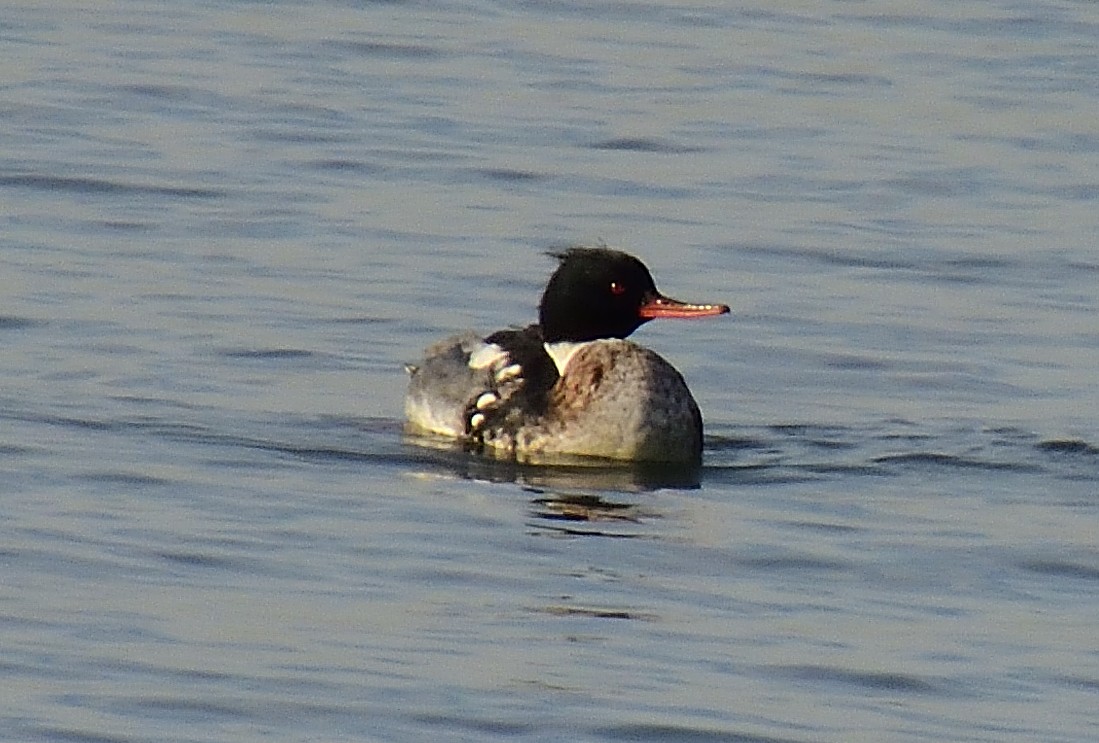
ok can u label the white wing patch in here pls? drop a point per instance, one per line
(487, 355)
(508, 373)
(486, 400)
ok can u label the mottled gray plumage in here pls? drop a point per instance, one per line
(616, 400)
(443, 386)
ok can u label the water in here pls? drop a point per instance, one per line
(226, 225)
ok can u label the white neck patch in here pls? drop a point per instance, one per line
(562, 352)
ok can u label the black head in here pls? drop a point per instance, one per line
(602, 293)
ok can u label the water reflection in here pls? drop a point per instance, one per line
(575, 474)
(579, 515)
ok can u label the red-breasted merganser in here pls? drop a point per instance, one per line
(572, 384)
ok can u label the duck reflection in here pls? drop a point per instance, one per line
(562, 473)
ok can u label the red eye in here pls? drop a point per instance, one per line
(617, 289)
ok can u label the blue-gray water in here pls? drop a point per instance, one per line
(226, 225)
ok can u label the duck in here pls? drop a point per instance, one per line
(571, 385)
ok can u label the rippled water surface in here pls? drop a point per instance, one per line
(226, 226)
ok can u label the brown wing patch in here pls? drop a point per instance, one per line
(586, 372)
